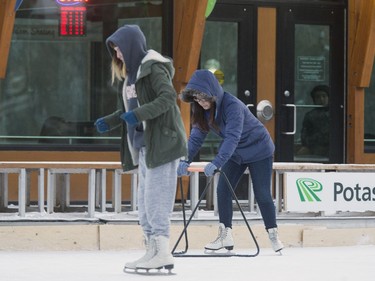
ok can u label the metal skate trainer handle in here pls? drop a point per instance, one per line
(199, 167)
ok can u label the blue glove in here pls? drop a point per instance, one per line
(129, 117)
(182, 169)
(101, 125)
(210, 169)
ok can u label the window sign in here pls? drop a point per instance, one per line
(310, 68)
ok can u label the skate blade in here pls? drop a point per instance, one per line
(220, 252)
(129, 270)
(154, 271)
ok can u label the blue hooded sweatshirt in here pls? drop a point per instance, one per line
(132, 44)
(244, 138)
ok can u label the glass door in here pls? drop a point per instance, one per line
(310, 85)
(228, 50)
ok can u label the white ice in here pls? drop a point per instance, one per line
(296, 264)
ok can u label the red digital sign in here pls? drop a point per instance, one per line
(72, 17)
(70, 2)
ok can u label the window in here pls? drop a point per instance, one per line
(219, 55)
(311, 89)
(57, 86)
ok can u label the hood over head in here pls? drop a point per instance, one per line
(203, 81)
(132, 44)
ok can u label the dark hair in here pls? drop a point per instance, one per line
(319, 88)
(198, 117)
(198, 112)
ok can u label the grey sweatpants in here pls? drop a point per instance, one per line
(156, 196)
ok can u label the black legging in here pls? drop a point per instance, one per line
(261, 173)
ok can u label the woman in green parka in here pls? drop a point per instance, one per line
(153, 137)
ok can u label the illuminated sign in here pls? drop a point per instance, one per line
(70, 2)
(72, 17)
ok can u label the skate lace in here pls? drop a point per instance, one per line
(274, 237)
(157, 246)
(219, 236)
(222, 234)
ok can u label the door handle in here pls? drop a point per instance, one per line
(294, 119)
(264, 111)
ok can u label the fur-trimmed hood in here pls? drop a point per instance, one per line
(206, 82)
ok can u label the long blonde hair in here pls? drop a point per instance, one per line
(118, 69)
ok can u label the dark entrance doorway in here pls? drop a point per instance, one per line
(310, 84)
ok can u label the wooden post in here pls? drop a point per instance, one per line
(7, 16)
(363, 47)
(189, 23)
(266, 67)
(361, 53)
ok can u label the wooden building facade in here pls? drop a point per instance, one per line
(270, 54)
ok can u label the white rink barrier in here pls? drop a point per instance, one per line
(97, 172)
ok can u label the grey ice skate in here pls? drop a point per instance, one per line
(277, 245)
(150, 252)
(224, 239)
(162, 262)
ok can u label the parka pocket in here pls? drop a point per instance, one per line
(168, 139)
(168, 132)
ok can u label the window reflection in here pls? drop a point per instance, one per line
(315, 125)
(312, 60)
(219, 55)
(56, 86)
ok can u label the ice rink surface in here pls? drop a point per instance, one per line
(355, 263)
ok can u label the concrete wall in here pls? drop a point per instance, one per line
(129, 237)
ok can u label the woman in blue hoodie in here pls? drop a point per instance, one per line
(153, 137)
(245, 143)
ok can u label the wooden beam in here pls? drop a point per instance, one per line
(355, 125)
(363, 45)
(7, 16)
(353, 122)
(359, 73)
(353, 12)
(266, 66)
(189, 23)
(188, 30)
